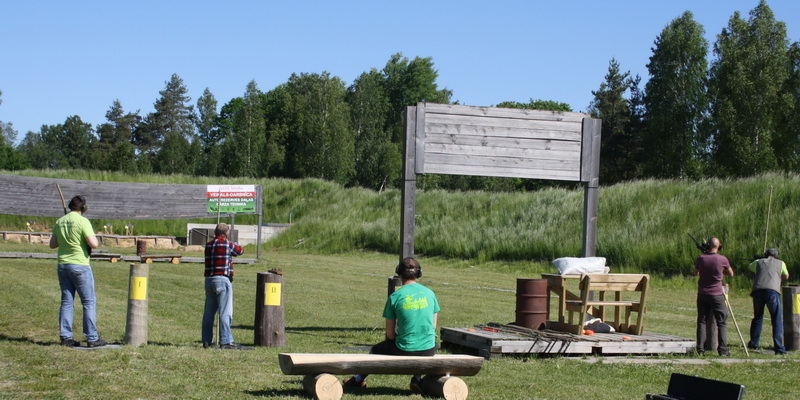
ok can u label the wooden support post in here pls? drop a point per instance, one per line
(269, 321)
(395, 282)
(590, 175)
(445, 386)
(323, 386)
(136, 325)
(408, 196)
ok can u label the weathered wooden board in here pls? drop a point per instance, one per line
(24, 195)
(340, 364)
(500, 142)
(31, 196)
(486, 141)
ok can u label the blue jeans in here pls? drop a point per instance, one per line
(772, 300)
(219, 297)
(72, 278)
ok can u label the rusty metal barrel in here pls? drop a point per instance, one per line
(791, 317)
(141, 247)
(532, 307)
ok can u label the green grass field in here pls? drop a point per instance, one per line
(333, 304)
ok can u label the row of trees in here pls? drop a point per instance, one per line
(736, 117)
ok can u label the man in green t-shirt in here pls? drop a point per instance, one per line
(73, 236)
(411, 313)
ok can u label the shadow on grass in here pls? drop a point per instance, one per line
(369, 391)
(326, 329)
(4, 337)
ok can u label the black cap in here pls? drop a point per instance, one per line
(772, 252)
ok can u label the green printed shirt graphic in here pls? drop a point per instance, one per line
(412, 307)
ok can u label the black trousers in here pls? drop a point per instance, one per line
(710, 308)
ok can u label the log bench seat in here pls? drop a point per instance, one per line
(319, 370)
(112, 258)
(173, 258)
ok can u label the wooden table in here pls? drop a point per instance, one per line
(558, 284)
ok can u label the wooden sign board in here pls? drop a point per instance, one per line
(501, 142)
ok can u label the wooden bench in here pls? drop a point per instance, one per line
(687, 387)
(173, 258)
(628, 293)
(319, 369)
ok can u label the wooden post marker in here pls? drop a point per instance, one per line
(445, 386)
(269, 322)
(323, 386)
(395, 282)
(136, 325)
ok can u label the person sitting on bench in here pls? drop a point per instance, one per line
(411, 313)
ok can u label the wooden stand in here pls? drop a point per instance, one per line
(270, 330)
(447, 387)
(136, 323)
(323, 386)
(438, 382)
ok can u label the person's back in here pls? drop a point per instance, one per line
(410, 314)
(74, 238)
(711, 267)
(413, 307)
(71, 232)
(218, 285)
(769, 271)
(711, 300)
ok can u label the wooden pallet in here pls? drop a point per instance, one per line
(496, 340)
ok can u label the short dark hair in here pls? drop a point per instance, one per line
(78, 203)
(409, 268)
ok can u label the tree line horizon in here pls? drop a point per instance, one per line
(735, 116)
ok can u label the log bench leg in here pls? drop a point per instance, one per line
(445, 386)
(323, 386)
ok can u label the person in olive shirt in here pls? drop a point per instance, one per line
(411, 313)
(74, 238)
(770, 271)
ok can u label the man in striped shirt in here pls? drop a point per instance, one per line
(219, 288)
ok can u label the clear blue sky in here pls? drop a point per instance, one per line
(64, 58)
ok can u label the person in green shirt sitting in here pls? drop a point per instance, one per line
(411, 313)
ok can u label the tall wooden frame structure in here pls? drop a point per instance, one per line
(502, 142)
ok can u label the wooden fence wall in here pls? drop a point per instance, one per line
(39, 197)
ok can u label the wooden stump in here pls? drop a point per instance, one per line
(444, 386)
(323, 386)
